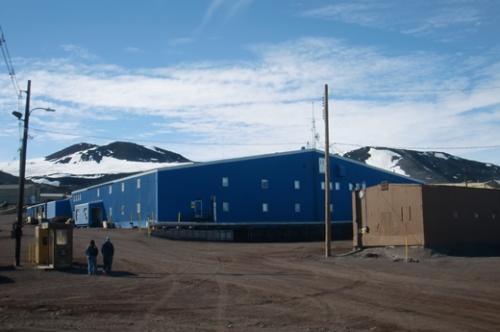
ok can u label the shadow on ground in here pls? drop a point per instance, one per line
(78, 268)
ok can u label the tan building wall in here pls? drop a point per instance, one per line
(433, 216)
(390, 215)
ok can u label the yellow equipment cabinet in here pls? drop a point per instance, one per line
(54, 245)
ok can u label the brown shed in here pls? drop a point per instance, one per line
(426, 215)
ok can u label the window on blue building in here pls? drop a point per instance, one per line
(297, 207)
(225, 181)
(139, 183)
(123, 210)
(296, 184)
(264, 184)
(337, 185)
(225, 206)
(138, 208)
(110, 189)
(110, 213)
(265, 207)
(98, 192)
(123, 186)
(321, 165)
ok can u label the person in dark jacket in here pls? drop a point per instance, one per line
(108, 251)
(91, 254)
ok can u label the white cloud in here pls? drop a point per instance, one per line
(78, 51)
(265, 105)
(415, 18)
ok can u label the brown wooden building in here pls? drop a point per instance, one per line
(426, 215)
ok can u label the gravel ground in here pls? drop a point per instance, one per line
(163, 285)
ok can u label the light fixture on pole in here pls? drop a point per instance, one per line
(22, 169)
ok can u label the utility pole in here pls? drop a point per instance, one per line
(22, 170)
(328, 224)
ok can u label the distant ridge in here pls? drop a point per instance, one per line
(428, 166)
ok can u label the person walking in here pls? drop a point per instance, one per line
(91, 254)
(108, 251)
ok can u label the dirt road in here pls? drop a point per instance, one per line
(162, 285)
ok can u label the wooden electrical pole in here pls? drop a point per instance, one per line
(22, 170)
(328, 224)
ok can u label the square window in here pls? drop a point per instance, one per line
(225, 206)
(265, 208)
(225, 182)
(264, 184)
(139, 183)
(123, 186)
(296, 184)
(297, 207)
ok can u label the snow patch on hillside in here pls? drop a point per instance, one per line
(440, 155)
(40, 167)
(385, 159)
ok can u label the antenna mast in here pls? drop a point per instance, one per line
(315, 135)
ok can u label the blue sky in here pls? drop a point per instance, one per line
(218, 78)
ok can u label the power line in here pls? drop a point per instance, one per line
(471, 147)
(8, 63)
(162, 142)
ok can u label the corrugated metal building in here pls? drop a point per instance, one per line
(9, 193)
(280, 187)
(426, 215)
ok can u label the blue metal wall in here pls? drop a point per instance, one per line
(120, 199)
(244, 195)
(61, 208)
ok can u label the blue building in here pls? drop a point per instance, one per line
(272, 188)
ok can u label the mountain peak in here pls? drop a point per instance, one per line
(69, 151)
(84, 152)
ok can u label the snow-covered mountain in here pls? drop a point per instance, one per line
(85, 164)
(430, 166)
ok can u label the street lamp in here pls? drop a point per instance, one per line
(22, 169)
